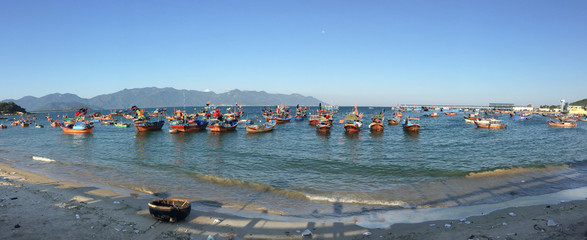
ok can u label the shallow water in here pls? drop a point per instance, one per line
(294, 170)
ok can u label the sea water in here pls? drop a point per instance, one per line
(296, 171)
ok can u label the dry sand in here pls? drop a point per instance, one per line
(34, 206)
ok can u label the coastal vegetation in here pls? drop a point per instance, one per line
(580, 103)
(10, 108)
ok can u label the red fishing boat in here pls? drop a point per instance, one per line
(324, 125)
(352, 122)
(562, 124)
(410, 126)
(376, 124)
(313, 120)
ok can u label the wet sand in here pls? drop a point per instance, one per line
(34, 206)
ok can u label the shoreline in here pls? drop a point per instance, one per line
(36, 206)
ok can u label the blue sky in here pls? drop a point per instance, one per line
(342, 52)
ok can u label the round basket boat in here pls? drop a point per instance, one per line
(170, 210)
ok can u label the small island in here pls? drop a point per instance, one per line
(10, 108)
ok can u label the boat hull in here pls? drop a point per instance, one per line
(411, 127)
(257, 129)
(351, 128)
(393, 121)
(77, 131)
(561, 124)
(282, 120)
(490, 126)
(188, 127)
(149, 126)
(221, 127)
(376, 127)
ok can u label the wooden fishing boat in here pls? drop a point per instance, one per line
(39, 126)
(562, 124)
(323, 126)
(393, 121)
(352, 123)
(432, 114)
(471, 118)
(222, 126)
(148, 125)
(282, 119)
(313, 120)
(451, 113)
(490, 124)
(260, 128)
(2, 126)
(78, 127)
(376, 124)
(410, 126)
(189, 126)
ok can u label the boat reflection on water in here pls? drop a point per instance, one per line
(412, 135)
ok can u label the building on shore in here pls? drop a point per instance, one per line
(578, 110)
(501, 106)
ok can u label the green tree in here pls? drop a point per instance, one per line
(10, 108)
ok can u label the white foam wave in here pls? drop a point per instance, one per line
(43, 159)
(394, 203)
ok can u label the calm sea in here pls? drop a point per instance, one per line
(296, 171)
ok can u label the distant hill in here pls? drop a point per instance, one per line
(161, 97)
(580, 103)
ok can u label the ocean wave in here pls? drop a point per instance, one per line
(260, 187)
(43, 159)
(388, 203)
(514, 171)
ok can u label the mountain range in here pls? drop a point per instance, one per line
(160, 97)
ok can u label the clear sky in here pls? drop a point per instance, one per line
(342, 52)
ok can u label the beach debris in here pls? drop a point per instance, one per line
(210, 237)
(467, 222)
(447, 225)
(307, 232)
(504, 223)
(229, 236)
(116, 202)
(5, 198)
(77, 216)
(432, 224)
(367, 234)
(538, 228)
(135, 195)
(218, 220)
(551, 223)
(17, 226)
(512, 214)
(462, 219)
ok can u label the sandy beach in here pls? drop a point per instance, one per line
(34, 206)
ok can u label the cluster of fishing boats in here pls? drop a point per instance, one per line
(322, 119)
